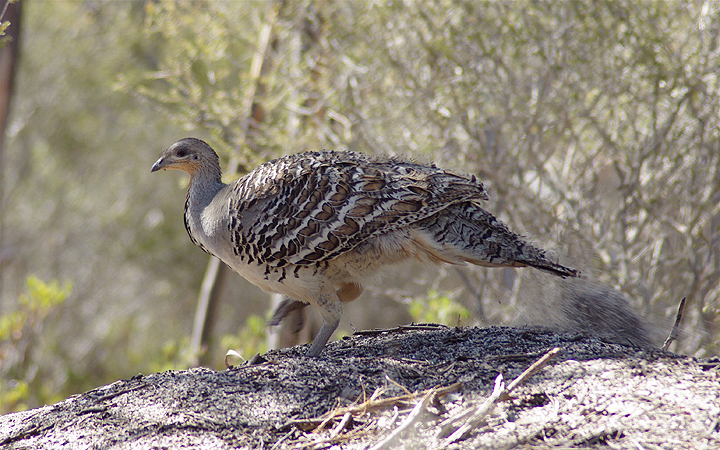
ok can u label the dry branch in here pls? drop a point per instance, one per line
(372, 404)
(477, 415)
(414, 414)
(675, 332)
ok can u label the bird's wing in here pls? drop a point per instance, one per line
(312, 207)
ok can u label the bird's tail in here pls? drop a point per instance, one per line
(466, 232)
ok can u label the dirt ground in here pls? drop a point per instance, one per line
(417, 386)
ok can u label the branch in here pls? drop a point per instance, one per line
(500, 393)
(414, 414)
(675, 332)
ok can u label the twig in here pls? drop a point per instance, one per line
(277, 444)
(106, 397)
(408, 420)
(515, 357)
(2, 14)
(398, 385)
(537, 365)
(500, 393)
(411, 327)
(207, 299)
(371, 404)
(447, 424)
(480, 313)
(675, 332)
(340, 426)
(712, 427)
(478, 416)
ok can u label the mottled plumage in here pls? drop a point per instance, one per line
(315, 226)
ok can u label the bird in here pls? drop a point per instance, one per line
(319, 225)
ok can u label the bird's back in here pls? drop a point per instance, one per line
(312, 207)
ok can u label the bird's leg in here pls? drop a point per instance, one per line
(331, 310)
(284, 309)
(321, 339)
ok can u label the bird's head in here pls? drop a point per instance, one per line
(189, 154)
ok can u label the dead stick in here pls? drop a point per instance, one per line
(408, 420)
(340, 426)
(373, 403)
(480, 413)
(500, 393)
(675, 332)
(537, 365)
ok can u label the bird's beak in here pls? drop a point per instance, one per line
(158, 165)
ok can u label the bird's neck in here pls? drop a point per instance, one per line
(199, 221)
(203, 188)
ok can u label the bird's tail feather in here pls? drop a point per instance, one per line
(476, 236)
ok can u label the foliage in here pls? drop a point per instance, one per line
(173, 354)
(251, 339)
(22, 345)
(4, 24)
(438, 308)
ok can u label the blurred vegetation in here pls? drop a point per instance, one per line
(594, 124)
(438, 308)
(250, 340)
(23, 380)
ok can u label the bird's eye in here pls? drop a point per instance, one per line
(182, 152)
